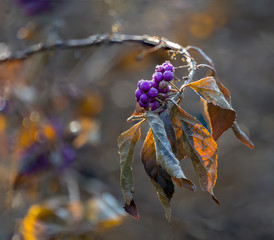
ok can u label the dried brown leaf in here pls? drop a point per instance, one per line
(153, 169)
(171, 135)
(131, 209)
(126, 144)
(242, 136)
(164, 155)
(200, 148)
(164, 200)
(219, 110)
(138, 112)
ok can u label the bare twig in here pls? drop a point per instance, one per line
(91, 41)
(207, 58)
(153, 41)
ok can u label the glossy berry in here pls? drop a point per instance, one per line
(145, 85)
(168, 67)
(159, 68)
(158, 76)
(139, 82)
(168, 75)
(138, 93)
(144, 105)
(154, 84)
(144, 98)
(154, 105)
(152, 92)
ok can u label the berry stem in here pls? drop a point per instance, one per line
(174, 86)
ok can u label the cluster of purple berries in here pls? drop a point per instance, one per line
(149, 90)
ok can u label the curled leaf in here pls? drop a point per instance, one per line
(200, 148)
(181, 154)
(153, 169)
(126, 144)
(164, 155)
(138, 112)
(220, 112)
(164, 200)
(242, 136)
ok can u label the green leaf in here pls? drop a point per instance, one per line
(164, 155)
(220, 112)
(126, 144)
(200, 148)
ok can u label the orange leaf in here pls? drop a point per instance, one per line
(181, 154)
(137, 112)
(200, 148)
(219, 110)
(153, 170)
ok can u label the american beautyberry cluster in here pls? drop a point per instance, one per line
(149, 92)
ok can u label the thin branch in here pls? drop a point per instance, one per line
(153, 41)
(207, 66)
(90, 41)
(207, 58)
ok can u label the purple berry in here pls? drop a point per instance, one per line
(154, 105)
(168, 75)
(166, 63)
(138, 93)
(139, 82)
(157, 76)
(144, 98)
(153, 92)
(159, 68)
(169, 67)
(145, 85)
(151, 100)
(144, 105)
(154, 84)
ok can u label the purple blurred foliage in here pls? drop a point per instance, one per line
(34, 7)
(34, 159)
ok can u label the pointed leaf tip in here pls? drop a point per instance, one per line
(217, 105)
(131, 209)
(189, 185)
(126, 144)
(215, 199)
(184, 182)
(242, 136)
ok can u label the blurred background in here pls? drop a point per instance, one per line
(71, 106)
